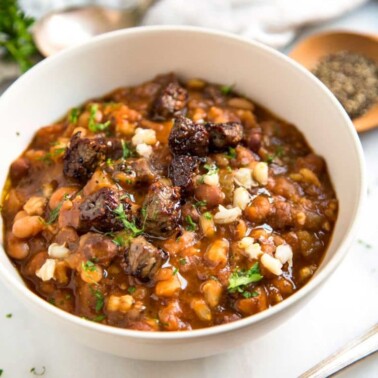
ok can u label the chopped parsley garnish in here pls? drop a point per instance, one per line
(226, 89)
(99, 299)
(248, 294)
(240, 279)
(212, 169)
(191, 225)
(121, 240)
(183, 261)
(54, 214)
(126, 151)
(88, 266)
(207, 215)
(98, 318)
(175, 271)
(94, 126)
(231, 154)
(131, 289)
(39, 373)
(1, 372)
(47, 158)
(128, 225)
(200, 204)
(277, 154)
(52, 301)
(8, 316)
(109, 162)
(74, 115)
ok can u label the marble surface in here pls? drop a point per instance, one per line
(344, 308)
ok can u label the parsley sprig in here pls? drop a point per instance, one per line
(94, 126)
(241, 278)
(15, 36)
(128, 225)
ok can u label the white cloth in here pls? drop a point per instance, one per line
(273, 22)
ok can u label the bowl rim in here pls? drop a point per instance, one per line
(316, 281)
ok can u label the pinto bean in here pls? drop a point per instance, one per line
(213, 195)
(16, 248)
(28, 226)
(58, 196)
(258, 210)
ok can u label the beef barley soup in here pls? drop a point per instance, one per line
(168, 206)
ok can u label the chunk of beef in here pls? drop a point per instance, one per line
(161, 209)
(171, 101)
(143, 259)
(225, 134)
(97, 212)
(188, 138)
(97, 247)
(182, 170)
(139, 170)
(144, 172)
(83, 156)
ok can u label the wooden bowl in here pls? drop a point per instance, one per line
(309, 51)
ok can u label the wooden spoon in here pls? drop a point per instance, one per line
(309, 51)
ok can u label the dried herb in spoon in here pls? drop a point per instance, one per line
(353, 79)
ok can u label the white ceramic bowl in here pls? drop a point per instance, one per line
(130, 57)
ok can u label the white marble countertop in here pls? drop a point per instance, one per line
(344, 308)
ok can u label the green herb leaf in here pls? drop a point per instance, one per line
(74, 115)
(212, 169)
(8, 316)
(227, 89)
(183, 261)
(191, 225)
(99, 299)
(175, 271)
(39, 373)
(1, 372)
(248, 294)
(126, 150)
(231, 154)
(207, 215)
(54, 214)
(200, 204)
(15, 36)
(88, 266)
(239, 279)
(98, 318)
(130, 226)
(131, 289)
(94, 126)
(279, 152)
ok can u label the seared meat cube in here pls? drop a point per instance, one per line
(144, 259)
(97, 247)
(182, 170)
(161, 209)
(83, 156)
(144, 172)
(97, 211)
(188, 138)
(171, 101)
(225, 134)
